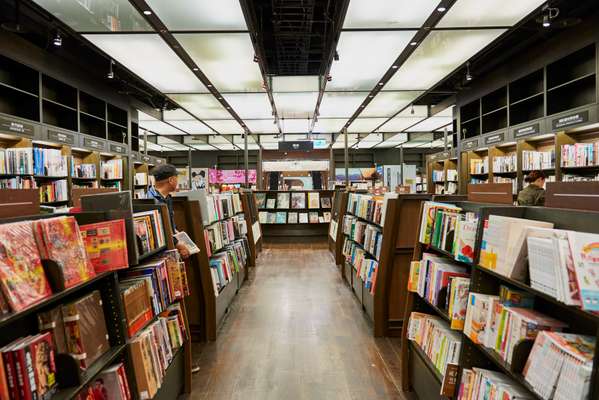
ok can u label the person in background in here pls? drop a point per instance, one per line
(534, 193)
(166, 177)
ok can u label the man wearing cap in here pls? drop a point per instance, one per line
(166, 183)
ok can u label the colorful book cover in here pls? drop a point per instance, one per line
(585, 254)
(22, 276)
(42, 353)
(261, 200)
(292, 218)
(283, 200)
(313, 200)
(465, 240)
(271, 203)
(106, 245)
(458, 301)
(281, 217)
(298, 200)
(313, 217)
(325, 202)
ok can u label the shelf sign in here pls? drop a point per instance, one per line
(495, 138)
(527, 130)
(569, 120)
(12, 126)
(115, 148)
(93, 143)
(61, 137)
(469, 145)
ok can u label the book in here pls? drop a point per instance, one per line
(260, 200)
(298, 200)
(183, 237)
(313, 200)
(263, 217)
(479, 314)
(327, 216)
(111, 384)
(584, 247)
(480, 384)
(465, 237)
(22, 278)
(270, 203)
(457, 293)
(313, 217)
(137, 303)
(303, 218)
(52, 321)
(271, 218)
(292, 218)
(283, 200)
(429, 214)
(325, 202)
(281, 217)
(368, 207)
(106, 245)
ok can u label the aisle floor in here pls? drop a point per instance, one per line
(295, 331)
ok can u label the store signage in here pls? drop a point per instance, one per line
(115, 148)
(528, 130)
(569, 120)
(18, 127)
(495, 138)
(305, 145)
(61, 137)
(320, 144)
(470, 144)
(93, 143)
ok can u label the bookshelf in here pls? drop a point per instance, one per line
(209, 303)
(295, 214)
(254, 231)
(336, 236)
(142, 180)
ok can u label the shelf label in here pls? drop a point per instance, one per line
(61, 137)
(115, 148)
(12, 126)
(569, 120)
(93, 143)
(527, 130)
(495, 138)
(470, 144)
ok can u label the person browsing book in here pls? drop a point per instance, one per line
(166, 177)
(534, 193)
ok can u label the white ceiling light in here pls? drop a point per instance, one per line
(82, 19)
(295, 125)
(202, 106)
(156, 147)
(296, 137)
(351, 138)
(225, 58)
(364, 57)
(261, 125)
(430, 124)
(475, 13)
(142, 116)
(160, 127)
(291, 84)
(178, 147)
(388, 14)
(270, 145)
(177, 115)
(217, 139)
(203, 147)
(268, 139)
(295, 105)
(225, 126)
(439, 55)
(399, 124)
(448, 112)
(449, 128)
(226, 146)
(239, 140)
(149, 57)
(363, 125)
(329, 125)
(340, 104)
(197, 15)
(250, 105)
(194, 127)
(386, 104)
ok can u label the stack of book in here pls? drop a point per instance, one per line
(83, 170)
(54, 191)
(111, 382)
(440, 344)
(225, 264)
(478, 383)
(512, 181)
(369, 236)
(365, 267)
(580, 154)
(577, 178)
(452, 175)
(106, 245)
(222, 233)
(532, 160)
(149, 231)
(49, 162)
(112, 169)
(505, 163)
(560, 365)
(366, 206)
(140, 194)
(479, 166)
(140, 178)
(215, 207)
(19, 161)
(18, 182)
(438, 176)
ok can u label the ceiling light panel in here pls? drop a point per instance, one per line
(363, 125)
(149, 57)
(373, 137)
(198, 15)
(227, 59)
(262, 125)
(226, 146)
(177, 115)
(329, 125)
(388, 14)
(295, 105)
(430, 124)
(160, 128)
(439, 55)
(449, 128)
(341, 145)
(386, 104)
(351, 138)
(194, 127)
(295, 125)
(413, 144)
(268, 139)
(366, 145)
(217, 139)
(250, 105)
(340, 104)
(296, 137)
(178, 147)
(202, 106)
(364, 57)
(399, 124)
(448, 112)
(155, 147)
(389, 144)
(270, 145)
(142, 116)
(225, 126)
(203, 147)
(241, 141)
(97, 16)
(293, 84)
(476, 13)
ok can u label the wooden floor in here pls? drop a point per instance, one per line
(295, 331)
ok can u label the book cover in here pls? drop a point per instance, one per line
(298, 200)
(22, 276)
(325, 202)
(303, 218)
(270, 203)
(281, 217)
(465, 240)
(271, 218)
(261, 200)
(585, 255)
(313, 200)
(106, 245)
(292, 218)
(52, 321)
(458, 301)
(283, 200)
(44, 368)
(313, 216)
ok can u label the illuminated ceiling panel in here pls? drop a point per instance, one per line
(268, 139)
(160, 127)
(194, 127)
(340, 104)
(227, 59)
(177, 115)
(295, 125)
(203, 147)
(351, 138)
(386, 104)
(198, 15)
(476, 13)
(364, 57)
(388, 13)
(399, 124)
(294, 84)
(239, 140)
(430, 124)
(226, 146)
(295, 105)
(250, 105)
(149, 57)
(363, 125)
(439, 55)
(270, 145)
(202, 106)
(329, 125)
(261, 125)
(225, 126)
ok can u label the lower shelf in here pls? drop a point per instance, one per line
(173, 383)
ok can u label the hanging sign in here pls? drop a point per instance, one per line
(495, 138)
(18, 127)
(61, 137)
(296, 146)
(569, 120)
(470, 144)
(528, 130)
(94, 143)
(115, 148)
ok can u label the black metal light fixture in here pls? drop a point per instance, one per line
(468, 75)
(57, 41)
(110, 74)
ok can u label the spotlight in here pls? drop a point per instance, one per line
(468, 75)
(110, 74)
(196, 69)
(546, 22)
(57, 41)
(336, 56)
(441, 9)
(414, 43)
(381, 83)
(256, 59)
(412, 110)
(549, 13)
(395, 66)
(147, 12)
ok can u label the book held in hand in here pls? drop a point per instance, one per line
(183, 237)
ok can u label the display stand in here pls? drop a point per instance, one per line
(77, 193)
(250, 212)
(573, 195)
(497, 193)
(336, 236)
(19, 202)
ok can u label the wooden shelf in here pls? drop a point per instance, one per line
(531, 97)
(365, 220)
(571, 81)
(429, 364)
(92, 116)
(18, 90)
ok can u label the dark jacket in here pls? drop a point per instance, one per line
(160, 199)
(532, 195)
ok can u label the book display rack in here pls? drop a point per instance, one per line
(378, 240)
(254, 232)
(78, 324)
(294, 214)
(471, 291)
(216, 223)
(336, 236)
(442, 173)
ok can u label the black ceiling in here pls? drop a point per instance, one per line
(295, 37)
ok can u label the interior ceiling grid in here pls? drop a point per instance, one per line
(215, 37)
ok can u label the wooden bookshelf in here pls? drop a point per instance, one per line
(250, 211)
(141, 182)
(19, 202)
(335, 238)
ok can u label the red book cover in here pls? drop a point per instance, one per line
(124, 382)
(59, 240)
(23, 367)
(44, 367)
(11, 373)
(4, 393)
(22, 277)
(106, 245)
